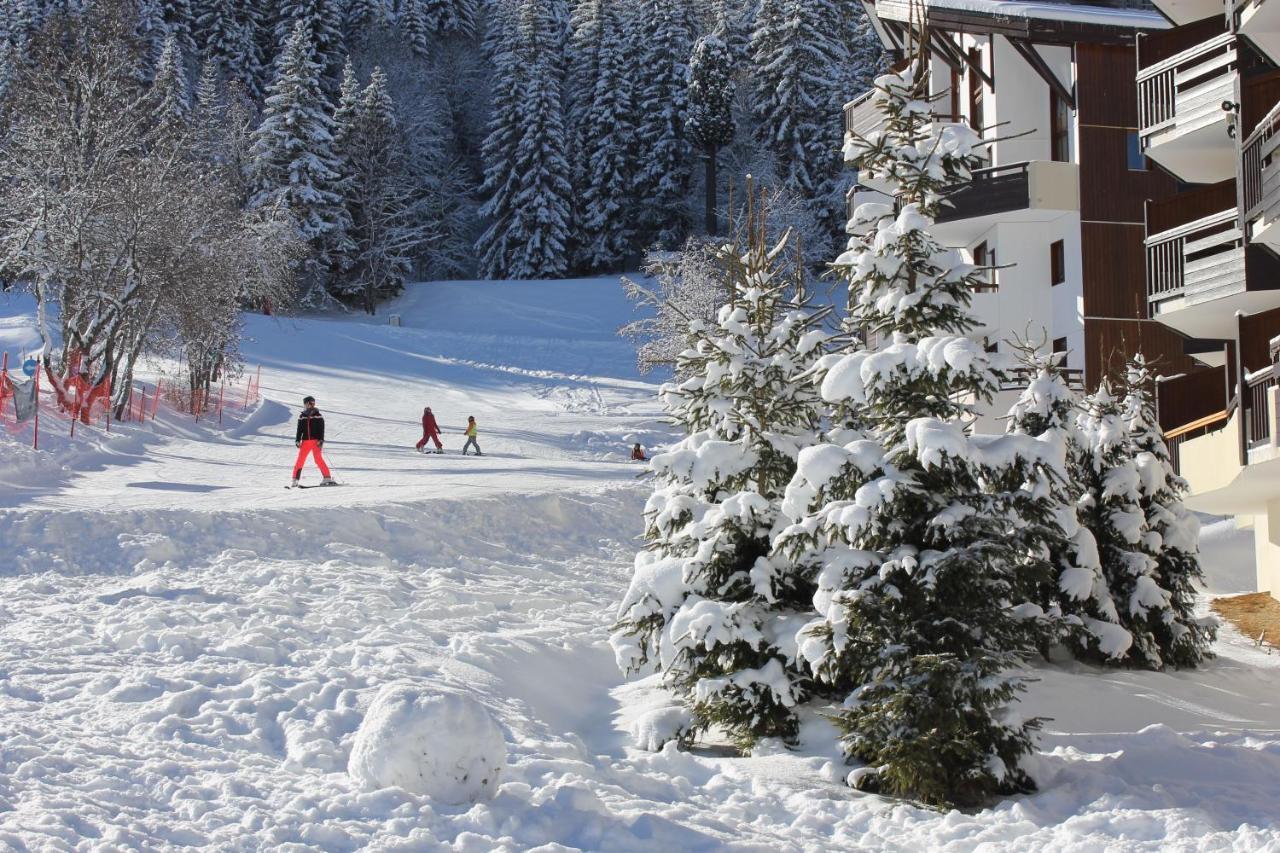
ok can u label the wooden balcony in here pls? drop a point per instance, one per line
(1181, 119)
(1260, 181)
(1035, 191)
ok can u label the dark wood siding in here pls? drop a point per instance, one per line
(1109, 343)
(1179, 209)
(1112, 201)
(1191, 397)
(1158, 46)
(1256, 332)
(1109, 190)
(1106, 88)
(1114, 267)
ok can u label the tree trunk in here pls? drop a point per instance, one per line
(713, 226)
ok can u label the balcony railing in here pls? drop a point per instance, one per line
(1260, 172)
(1257, 421)
(1186, 91)
(1196, 262)
(1175, 438)
(995, 189)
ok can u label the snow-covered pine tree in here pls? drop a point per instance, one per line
(151, 33)
(228, 42)
(604, 136)
(526, 156)
(170, 90)
(1111, 507)
(661, 45)
(322, 20)
(710, 122)
(867, 57)
(1172, 531)
(450, 16)
(708, 603)
(294, 164)
(363, 16)
(180, 21)
(923, 593)
(796, 47)
(384, 231)
(415, 29)
(1075, 590)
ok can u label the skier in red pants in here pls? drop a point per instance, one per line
(309, 440)
(430, 431)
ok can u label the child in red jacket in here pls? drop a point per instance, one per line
(430, 431)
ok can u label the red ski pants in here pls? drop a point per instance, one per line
(429, 436)
(310, 447)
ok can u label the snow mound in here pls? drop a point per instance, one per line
(443, 745)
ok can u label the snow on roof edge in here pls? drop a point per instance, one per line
(1074, 13)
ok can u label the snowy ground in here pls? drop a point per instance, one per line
(187, 650)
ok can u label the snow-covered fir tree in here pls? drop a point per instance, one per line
(1111, 507)
(527, 189)
(1172, 532)
(457, 17)
(710, 122)
(180, 22)
(604, 162)
(363, 16)
(380, 198)
(709, 604)
(322, 20)
(227, 40)
(1075, 590)
(294, 164)
(660, 49)
(795, 49)
(923, 535)
(415, 29)
(170, 88)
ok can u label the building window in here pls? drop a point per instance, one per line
(1060, 346)
(1057, 262)
(975, 90)
(1133, 150)
(1059, 128)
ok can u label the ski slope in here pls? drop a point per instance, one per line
(187, 650)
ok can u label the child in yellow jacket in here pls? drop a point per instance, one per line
(471, 436)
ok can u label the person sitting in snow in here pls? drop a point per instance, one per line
(309, 440)
(471, 436)
(430, 431)
(637, 453)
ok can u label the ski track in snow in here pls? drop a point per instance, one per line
(187, 650)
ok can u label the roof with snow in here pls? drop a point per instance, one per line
(1061, 22)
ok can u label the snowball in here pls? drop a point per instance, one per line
(443, 745)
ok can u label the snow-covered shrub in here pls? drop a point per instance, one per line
(1075, 590)
(928, 541)
(1172, 532)
(443, 745)
(709, 603)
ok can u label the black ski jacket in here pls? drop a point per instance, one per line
(310, 426)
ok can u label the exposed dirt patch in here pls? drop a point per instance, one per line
(1256, 614)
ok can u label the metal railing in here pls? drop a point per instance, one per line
(992, 189)
(1187, 89)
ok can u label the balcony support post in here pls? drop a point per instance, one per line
(1241, 396)
(1028, 52)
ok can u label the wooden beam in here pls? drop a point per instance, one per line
(1028, 52)
(947, 50)
(976, 68)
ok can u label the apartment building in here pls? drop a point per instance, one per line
(1209, 111)
(1061, 208)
